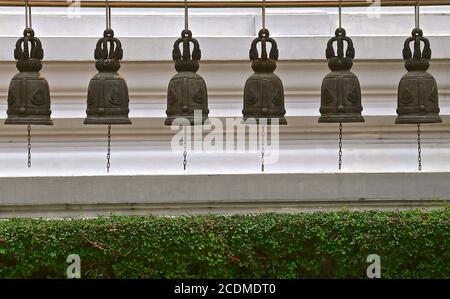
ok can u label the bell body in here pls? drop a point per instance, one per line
(264, 98)
(28, 93)
(186, 93)
(263, 91)
(417, 99)
(107, 100)
(28, 100)
(340, 98)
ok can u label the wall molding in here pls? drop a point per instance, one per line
(226, 194)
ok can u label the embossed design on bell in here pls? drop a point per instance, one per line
(341, 91)
(107, 99)
(28, 93)
(417, 90)
(187, 90)
(116, 97)
(264, 92)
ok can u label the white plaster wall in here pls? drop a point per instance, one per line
(376, 146)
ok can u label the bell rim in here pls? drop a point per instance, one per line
(169, 120)
(34, 122)
(341, 119)
(106, 121)
(416, 119)
(281, 120)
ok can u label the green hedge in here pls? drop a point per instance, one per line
(411, 244)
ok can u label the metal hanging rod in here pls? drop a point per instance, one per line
(223, 4)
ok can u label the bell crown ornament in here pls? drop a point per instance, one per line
(417, 91)
(28, 52)
(187, 90)
(108, 52)
(419, 60)
(340, 60)
(340, 91)
(108, 99)
(186, 61)
(264, 92)
(264, 63)
(29, 93)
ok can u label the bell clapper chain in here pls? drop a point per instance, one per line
(29, 145)
(28, 25)
(419, 148)
(108, 147)
(186, 27)
(340, 124)
(184, 148)
(263, 149)
(340, 146)
(419, 141)
(263, 127)
(108, 150)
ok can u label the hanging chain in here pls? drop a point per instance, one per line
(186, 16)
(186, 27)
(108, 15)
(263, 14)
(29, 145)
(419, 148)
(27, 15)
(417, 13)
(184, 148)
(108, 150)
(340, 14)
(263, 149)
(340, 146)
(340, 124)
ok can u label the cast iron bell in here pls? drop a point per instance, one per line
(417, 90)
(29, 93)
(187, 89)
(107, 100)
(263, 92)
(341, 92)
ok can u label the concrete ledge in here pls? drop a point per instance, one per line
(178, 194)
